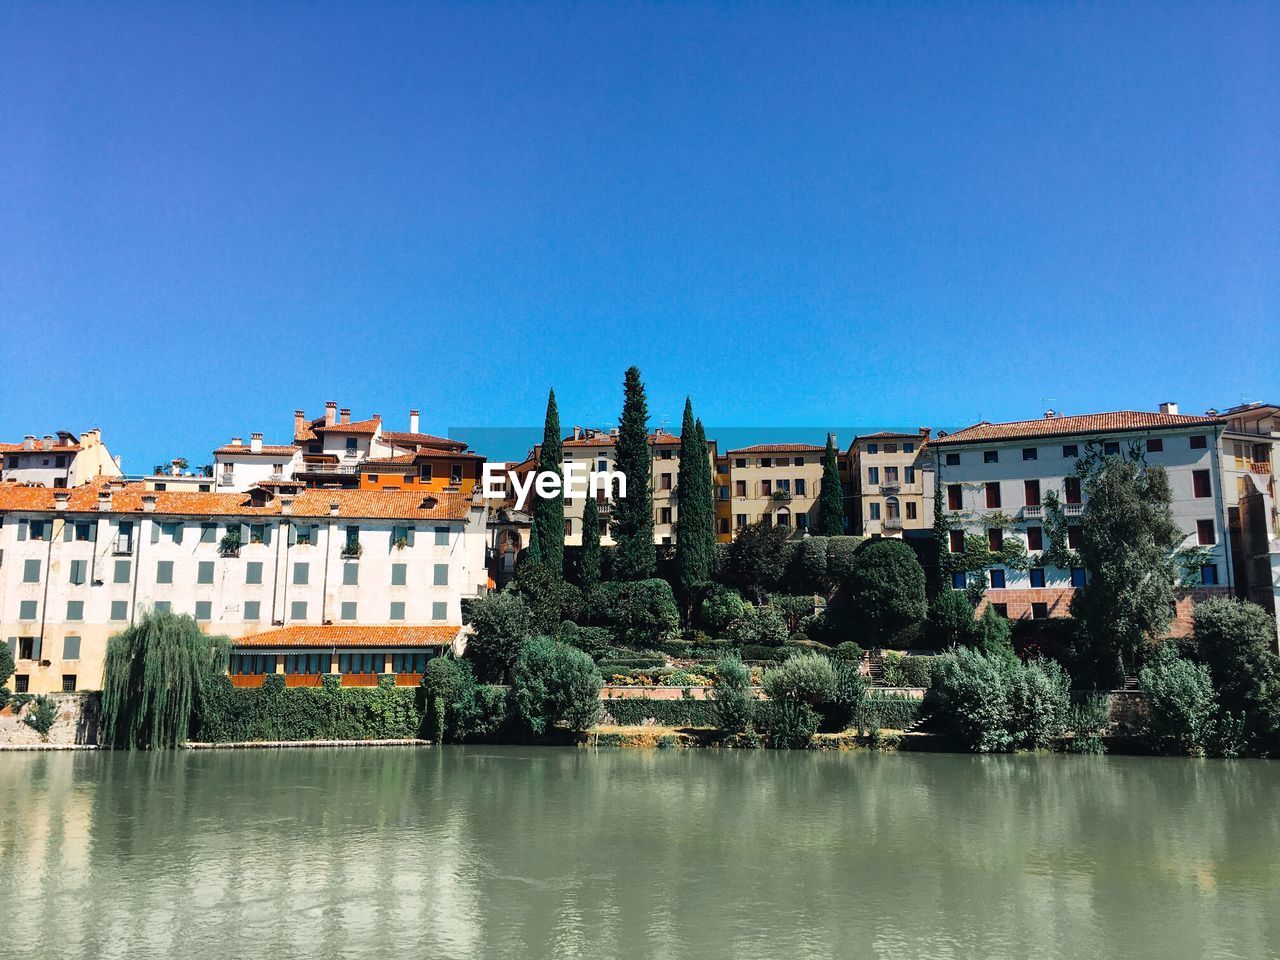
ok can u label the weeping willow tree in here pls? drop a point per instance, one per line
(154, 679)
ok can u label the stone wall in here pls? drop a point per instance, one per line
(76, 723)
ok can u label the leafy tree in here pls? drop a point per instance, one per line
(831, 494)
(6, 671)
(1181, 703)
(501, 624)
(734, 704)
(694, 506)
(1236, 640)
(994, 705)
(1129, 542)
(719, 608)
(640, 611)
(756, 562)
(951, 620)
(555, 684)
(589, 559)
(548, 512)
(759, 626)
(805, 678)
(636, 557)
(550, 599)
(840, 557)
(155, 678)
(709, 521)
(1039, 703)
(787, 724)
(440, 683)
(886, 587)
(994, 635)
(808, 572)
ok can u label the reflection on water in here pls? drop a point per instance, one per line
(541, 852)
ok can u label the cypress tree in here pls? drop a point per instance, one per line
(548, 512)
(636, 557)
(831, 495)
(589, 561)
(709, 529)
(693, 505)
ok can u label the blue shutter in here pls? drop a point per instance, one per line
(155, 532)
(37, 646)
(13, 647)
(409, 536)
(68, 531)
(266, 534)
(22, 529)
(177, 532)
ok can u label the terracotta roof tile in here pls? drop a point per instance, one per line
(1093, 423)
(352, 504)
(373, 425)
(778, 448)
(268, 449)
(656, 437)
(341, 635)
(421, 439)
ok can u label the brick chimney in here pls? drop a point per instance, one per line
(148, 503)
(924, 432)
(413, 421)
(104, 498)
(61, 499)
(255, 442)
(28, 442)
(330, 412)
(344, 415)
(299, 421)
(1169, 407)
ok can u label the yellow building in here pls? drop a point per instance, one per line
(774, 483)
(892, 483)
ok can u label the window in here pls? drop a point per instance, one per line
(78, 571)
(28, 648)
(1111, 448)
(873, 475)
(890, 474)
(873, 448)
(30, 571)
(1035, 538)
(1155, 445)
(1204, 533)
(997, 579)
(1199, 442)
(1200, 483)
(990, 456)
(908, 447)
(302, 535)
(741, 519)
(953, 496)
(402, 535)
(1002, 609)
(958, 580)
(68, 683)
(399, 574)
(912, 510)
(1077, 577)
(164, 571)
(956, 540)
(1031, 492)
(455, 473)
(739, 488)
(801, 488)
(664, 515)
(798, 461)
(119, 610)
(1071, 489)
(84, 531)
(908, 474)
(306, 664)
(21, 683)
(668, 454)
(1070, 451)
(441, 575)
(442, 536)
(351, 446)
(766, 488)
(1030, 453)
(208, 532)
(361, 662)
(123, 569)
(1209, 575)
(802, 521)
(163, 606)
(995, 539)
(27, 610)
(409, 662)
(350, 574)
(784, 518)
(1075, 536)
(568, 528)
(1037, 577)
(353, 537)
(740, 462)
(298, 610)
(424, 471)
(252, 609)
(253, 572)
(953, 459)
(40, 529)
(1039, 611)
(722, 524)
(75, 609)
(664, 481)
(348, 610)
(204, 609)
(993, 493)
(766, 461)
(875, 511)
(397, 609)
(172, 530)
(439, 610)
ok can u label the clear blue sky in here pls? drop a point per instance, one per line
(905, 214)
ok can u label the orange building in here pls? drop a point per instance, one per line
(428, 469)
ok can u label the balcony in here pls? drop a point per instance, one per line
(782, 496)
(1072, 509)
(890, 488)
(123, 546)
(892, 523)
(1260, 466)
(1032, 512)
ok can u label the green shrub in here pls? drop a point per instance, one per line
(846, 700)
(892, 711)
(638, 611)
(808, 678)
(40, 718)
(951, 621)
(501, 624)
(992, 635)
(792, 608)
(840, 554)
(6, 671)
(759, 627)
(329, 712)
(734, 703)
(808, 573)
(787, 725)
(555, 685)
(1039, 703)
(550, 598)
(685, 712)
(849, 652)
(754, 651)
(720, 608)
(972, 692)
(1236, 640)
(886, 587)
(1088, 719)
(1181, 703)
(593, 641)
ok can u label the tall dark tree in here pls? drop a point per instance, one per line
(830, 495)
(693, 506)
(709, 532)
(589, 560)
(636, 557)
(548, 512)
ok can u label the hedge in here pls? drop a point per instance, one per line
(633, 711)
(274, 712)
(891, 710)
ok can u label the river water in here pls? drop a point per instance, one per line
(496, 852)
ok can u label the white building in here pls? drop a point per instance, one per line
(239, 466)
(992, 470)
(329, 574)
(61, 461)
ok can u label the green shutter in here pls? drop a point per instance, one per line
(22, 529)
(68, 531)
(70, 648)
(155, 532)
(177, 532)
(409, 536)
(37, 647)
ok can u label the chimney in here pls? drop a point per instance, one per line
(413, 421)
(286, 504)
(255, 442)
(28, 442)
(236, 442)
(1169, 407)
(104, 498)
(148, 503)
(299, 421)
(330, 412)
(924, 432)
(46, 443)
(61, 498)
(344, 415)
(577, 433)
(333, 509)
(175, 468)
(1050, 414)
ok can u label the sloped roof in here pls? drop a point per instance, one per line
(369, 426)
(399, 438)
(1117, 421)
(268, 449)
(344, 635)
(778, 448)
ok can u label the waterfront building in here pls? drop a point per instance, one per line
(775, 483)
(79, 565)
(238, 466)
(63, 461)
(892, 484)
(994, 478)
(1249, 446)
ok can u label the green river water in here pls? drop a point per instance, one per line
(496, 852)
